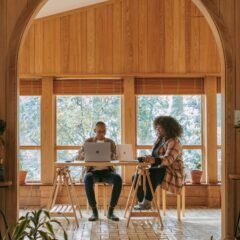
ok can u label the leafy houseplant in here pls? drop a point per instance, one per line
(34, 225)
(196, 173)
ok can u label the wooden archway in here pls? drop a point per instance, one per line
(225, 46)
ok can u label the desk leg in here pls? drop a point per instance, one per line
(154, 199)
(71, 199)
(50, 200)
(130, 193)
(134, 197)
(56, 191)
(75, 194)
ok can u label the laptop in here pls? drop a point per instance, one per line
(97, 152)
(125, 152)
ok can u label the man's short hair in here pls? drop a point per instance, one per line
(100, 123)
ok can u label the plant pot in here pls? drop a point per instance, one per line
(196, 176)
(22, 177)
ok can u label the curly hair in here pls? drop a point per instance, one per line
(171, 126)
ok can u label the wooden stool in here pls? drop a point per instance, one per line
(96, 190)
(181, 202)
(63, 178)
(142, 170)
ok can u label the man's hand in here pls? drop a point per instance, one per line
(149, 159)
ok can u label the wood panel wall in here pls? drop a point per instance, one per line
(38, 196)
(122, 37)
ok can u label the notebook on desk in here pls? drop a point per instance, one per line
(124, 152)
(97, 152)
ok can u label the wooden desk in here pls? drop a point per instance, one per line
(63, 177)
(114, 163)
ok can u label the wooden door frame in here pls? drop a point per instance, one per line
(227, 73)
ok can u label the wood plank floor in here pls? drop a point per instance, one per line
(198, 224)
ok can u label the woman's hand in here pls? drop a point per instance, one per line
(149, 159)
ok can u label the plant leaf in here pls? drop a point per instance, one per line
(44, 235)
(49, 227)
(20, 229)
(47, 214)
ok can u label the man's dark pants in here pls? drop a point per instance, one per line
(104, 176)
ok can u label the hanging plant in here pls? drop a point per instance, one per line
(3, 126)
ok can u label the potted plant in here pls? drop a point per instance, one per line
(34, 225)
(22, 175)
(196, 173)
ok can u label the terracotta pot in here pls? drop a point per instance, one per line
(22, 177)
(196, 176)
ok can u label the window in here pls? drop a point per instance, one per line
(77, 115)
(186, 109)
(30, 140)
(76, 119)
(219, 135)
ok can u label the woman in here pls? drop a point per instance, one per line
(166, 161)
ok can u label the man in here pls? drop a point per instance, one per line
(101, 174)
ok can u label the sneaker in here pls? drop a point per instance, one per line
(145, 205)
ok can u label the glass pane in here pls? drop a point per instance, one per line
(192, 160)
(219, 119)
(29, 124)
(219, 157)
(143, 152)
(30, 161)
(77, 115)
(186, 109)
(76, 172)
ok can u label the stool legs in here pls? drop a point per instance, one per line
(183, 201)
(179, 207)
(164, 201)
(104, 200)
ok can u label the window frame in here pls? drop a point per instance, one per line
(33, 147)
(185, 146)
(72, 147)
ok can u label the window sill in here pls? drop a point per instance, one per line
(189, 184)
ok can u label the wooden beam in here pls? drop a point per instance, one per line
(211, 128)
(47, 131)
(129, 122)
(118, 76)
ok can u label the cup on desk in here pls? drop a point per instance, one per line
(140, 159)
